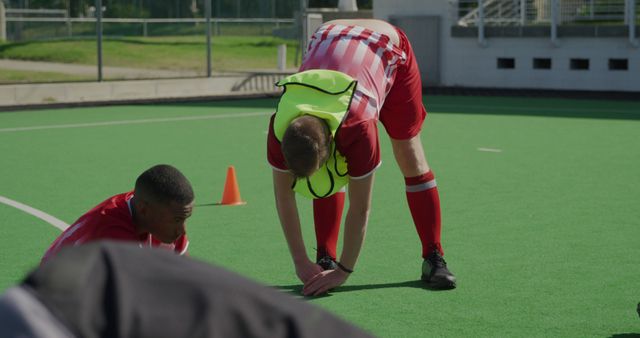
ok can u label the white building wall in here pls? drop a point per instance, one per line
(463, 62)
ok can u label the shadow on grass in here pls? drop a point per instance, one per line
(625, 335)
(540, 112)
(506, 108)
(207, 204)
(158, 42)
(7, 46)
(169, 41)
(296, 289)
(133, 41)
(161, 41)
(531, 102)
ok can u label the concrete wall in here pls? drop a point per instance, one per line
(474, 66)
(427, 30)
(464, 62)
(131, 91)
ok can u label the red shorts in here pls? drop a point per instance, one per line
(403, 112)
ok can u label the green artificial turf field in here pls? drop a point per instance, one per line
(540, 202)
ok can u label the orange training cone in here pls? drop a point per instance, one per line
(231, 194)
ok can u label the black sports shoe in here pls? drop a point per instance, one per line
(436, 274)
(327, 263)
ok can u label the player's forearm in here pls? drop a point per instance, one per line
(289, 219)
(354, 234)
(356, 221)
(293, 235)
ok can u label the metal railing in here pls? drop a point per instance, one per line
(531, 12)
(18, 12)
(481, 13)
(491, 12)
(142, 26)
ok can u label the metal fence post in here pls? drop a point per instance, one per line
(627, 11)
(554, 22)
(98, 14)
(481, 38)
(69, 28)
(282, 57)
(523, 12)
(3, 22)
(207, 5)
(216, 26)
(631, 4)
(301, 31)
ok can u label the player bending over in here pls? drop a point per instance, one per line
(324, 136)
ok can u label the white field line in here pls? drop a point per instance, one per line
(35, 212)
(490, 150)
(125, 122)
(236, 115)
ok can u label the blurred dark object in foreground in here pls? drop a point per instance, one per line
(114, 289)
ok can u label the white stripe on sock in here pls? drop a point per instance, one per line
(422, 186)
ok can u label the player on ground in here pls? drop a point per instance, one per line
(324, 136)
(154, 214)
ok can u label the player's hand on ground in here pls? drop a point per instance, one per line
(307, 270)
(324, 281)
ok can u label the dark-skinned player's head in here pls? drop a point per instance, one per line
(306, 145)
(163, 200)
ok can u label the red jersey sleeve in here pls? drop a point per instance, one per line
(359, 144)
(274, 151)
(182, 245)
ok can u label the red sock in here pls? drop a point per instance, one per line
(327, 214)
(424, 203)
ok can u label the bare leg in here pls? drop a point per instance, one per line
(424, 204)
(410, 156)
(422, 192)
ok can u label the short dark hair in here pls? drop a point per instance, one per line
(164, 183)
(306, 145)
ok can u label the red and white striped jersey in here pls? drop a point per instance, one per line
(367, 56)
(110, 219)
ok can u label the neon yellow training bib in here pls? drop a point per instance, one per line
(325, 94)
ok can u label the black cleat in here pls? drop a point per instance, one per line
(436, 274)
(327, 263)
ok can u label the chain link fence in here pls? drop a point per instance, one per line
(55, 40)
